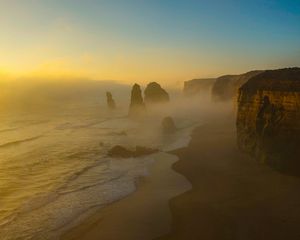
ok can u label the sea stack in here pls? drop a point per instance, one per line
(168, 125)
(154, 93)
(110, 101)
(137, 106)
(268, 118)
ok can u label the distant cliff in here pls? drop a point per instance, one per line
(198, 86)
(226, 87)
(268, 118)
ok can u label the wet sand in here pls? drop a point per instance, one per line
(233, 197)
(145, 214)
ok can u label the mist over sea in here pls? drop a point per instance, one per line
(53, 143)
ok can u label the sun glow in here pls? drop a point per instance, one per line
(139, 42)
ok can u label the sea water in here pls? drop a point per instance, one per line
(54, 168)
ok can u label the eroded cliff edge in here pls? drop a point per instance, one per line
(226, 87)
(268, 118)
(198, 86)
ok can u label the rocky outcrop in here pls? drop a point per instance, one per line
(110, 101)
(226, 87)
(198, 86)
(154, 93)
(268, 118)
(137, 106)
(168, 125)
(122, 152)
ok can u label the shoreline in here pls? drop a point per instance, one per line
(144, 214)
(232, 195)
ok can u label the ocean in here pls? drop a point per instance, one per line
(54, 168)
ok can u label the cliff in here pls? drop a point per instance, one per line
(268, 118)
(154, 93)
(226, 87)
(198, 86)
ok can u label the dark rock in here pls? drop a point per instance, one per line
(268, 118)
(168, 125)
(141, 151)
(110, 101)
(122, 152)
(154, 93)
(137, 106)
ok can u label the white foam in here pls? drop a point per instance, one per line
(99, 183)
(50, 215)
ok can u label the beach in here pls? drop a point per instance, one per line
(149, 120)
(232, 197)
(56, 172)
(144, 214)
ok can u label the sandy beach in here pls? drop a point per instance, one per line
(145, 214)
(233, 197)
(149, 120)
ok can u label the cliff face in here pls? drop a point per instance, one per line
(154, 93)
(268, 118)
(198, 86)
(226, 87)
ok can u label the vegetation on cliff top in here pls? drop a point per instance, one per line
(287, 79)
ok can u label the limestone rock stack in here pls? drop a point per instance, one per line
(154, 93)
(137, 106)
(168, 125)
(110, 101)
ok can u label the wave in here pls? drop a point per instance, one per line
(48, 207)
(18, 142)
(69, 125)
(42, 199)
(95, 184)
(8, 130)
(92, 184)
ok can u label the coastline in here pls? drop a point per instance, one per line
(144, 214)
(232, 195)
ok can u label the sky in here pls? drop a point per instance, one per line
(146, 40)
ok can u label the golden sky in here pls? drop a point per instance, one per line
(139, 41)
